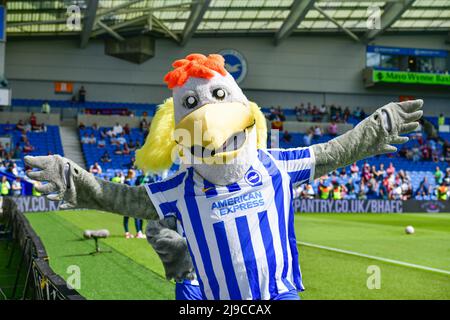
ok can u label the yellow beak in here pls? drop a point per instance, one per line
(215, 130)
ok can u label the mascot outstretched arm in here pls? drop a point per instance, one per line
(232, 197)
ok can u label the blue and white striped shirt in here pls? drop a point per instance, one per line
(241, 236)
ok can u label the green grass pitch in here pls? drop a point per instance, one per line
(133, 271)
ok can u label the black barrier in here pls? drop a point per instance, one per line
(370, 206)
(39, 280)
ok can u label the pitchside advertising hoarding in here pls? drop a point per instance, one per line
(35, 204)
(42, 204)
(370, 206)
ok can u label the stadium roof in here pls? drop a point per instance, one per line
(181, 19)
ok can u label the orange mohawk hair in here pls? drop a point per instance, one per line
(195, 65)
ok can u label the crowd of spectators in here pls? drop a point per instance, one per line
(314, 113)
(375, 183)
(117, 136)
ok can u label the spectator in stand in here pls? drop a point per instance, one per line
(371, 191)
(337, 191)
(125, 149)
(277, 124)
(2, 151)
(106, 158)
(280, 114)
(441, 120)
(426, 152)
(415, 154)
(126, 129)
(7, 150)
(95, 127)
(143, 125)
(287, 137)
(118, 150)
(82, 95)
(137, 144)
(333, 129)
(363, 115)
(130, 165)
(272, 113)
(34, 191)
(317, 132)
(307, 138)
(323, 110)
(397, 192)
(117, 129)
(391, 169)
(324, 190)
(85, 139)
(438, 176)
(350, 189)
(92, 139)
(112, 137)
(357, 113)
(362, 191)
(104, 133)
(8, 127)
(131, 145)
(27, 148)
(442, 191)
(308, 192)
(5, 187)
(343, 175)
(378, 174)
(20, 125)
(95, 169)
(424, 187)
(121, 139)
(383, 192)
(101, 143)
(81, 126)
(131, 174)
(339, 114)
(354, 170)
(16, 153)
(300, 112)
(347, 114)
(447, 176)
(33, 122)
(16, 187)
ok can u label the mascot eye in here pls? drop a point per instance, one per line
(219, 94)
(190, 102)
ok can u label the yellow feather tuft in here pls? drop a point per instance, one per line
(156, 154)
(261, 126)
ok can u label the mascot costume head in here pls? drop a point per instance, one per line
(209, 123)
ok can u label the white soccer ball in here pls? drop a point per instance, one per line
(409, 230)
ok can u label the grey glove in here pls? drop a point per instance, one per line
(171, 248)
(372, 136)
(80, 189)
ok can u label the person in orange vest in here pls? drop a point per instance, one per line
(337, 191)
(324, 190)
(442, 192)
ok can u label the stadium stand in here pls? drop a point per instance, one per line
(45, 142)
(417, 159)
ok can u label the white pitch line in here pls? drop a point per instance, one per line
(400, 263)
